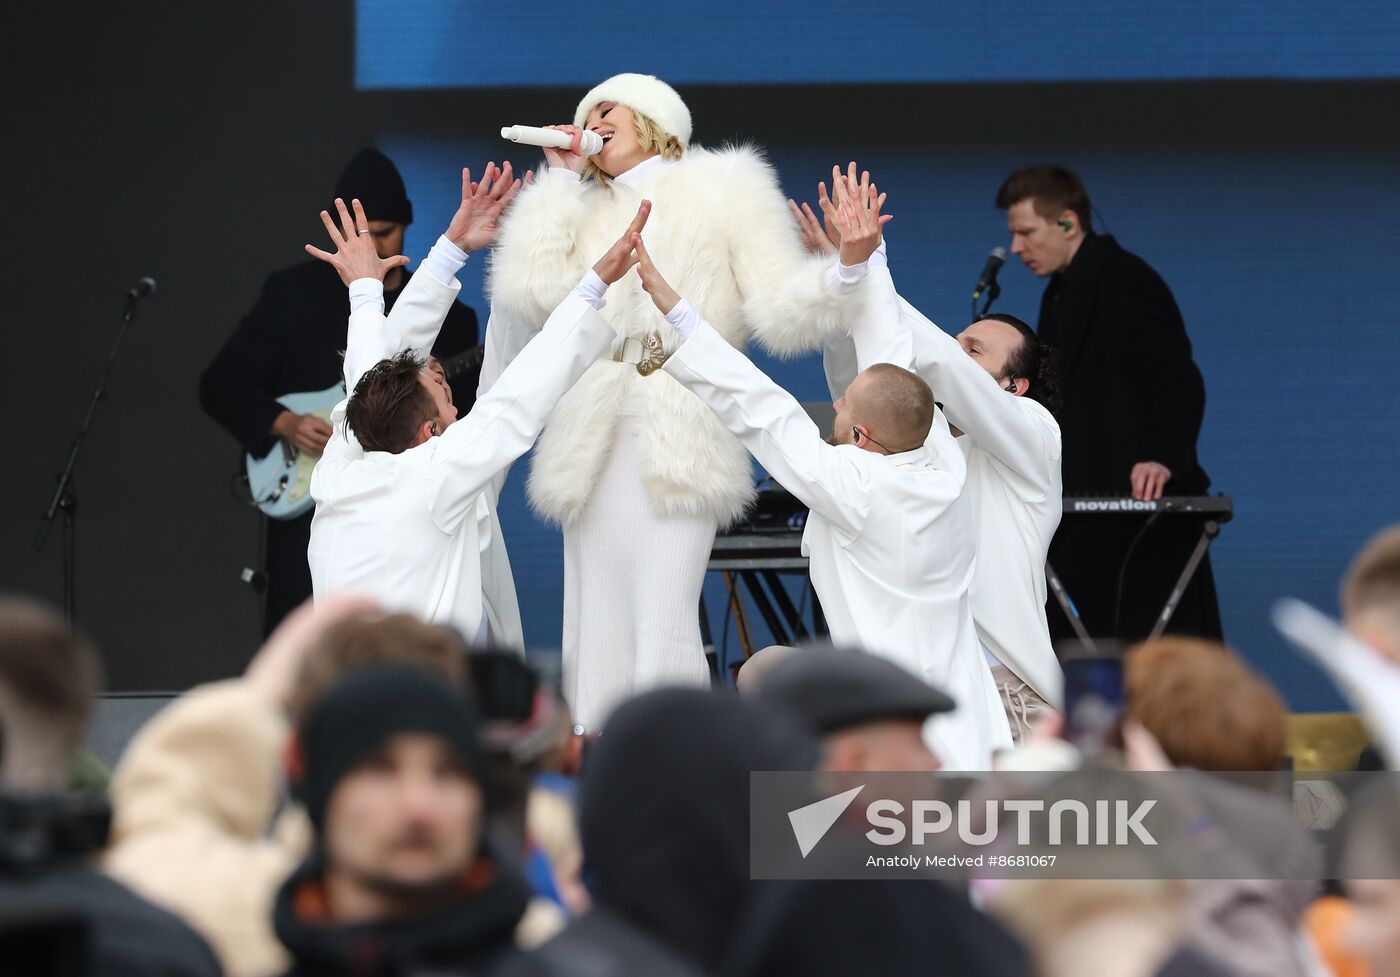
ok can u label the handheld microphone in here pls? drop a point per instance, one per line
(146, 286)
(988, 278)
(590, 145)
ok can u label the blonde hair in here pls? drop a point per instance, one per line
(649, 136)
(1372, 583)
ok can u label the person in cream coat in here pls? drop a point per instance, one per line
(634, 467)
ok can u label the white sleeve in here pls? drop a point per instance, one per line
(877, 335)
(371, 336)
(417, 316)
(684, 319)
(879, 332)
(368, 341)
(472, 453)
(839, 365)
(444, 260)
(1015, 432)
(366, 291)
(774, 428)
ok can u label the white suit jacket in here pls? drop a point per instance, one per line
(1012, 447)
(407, 528)
(890, 538)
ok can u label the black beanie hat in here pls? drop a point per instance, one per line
(373, 179)
(364, 710)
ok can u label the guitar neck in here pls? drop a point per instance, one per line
(463, 363)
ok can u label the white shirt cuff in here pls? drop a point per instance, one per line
(685, 319)
(363, 291)
(855, 274)
(444, 260)
(565, 173)
(591, 289)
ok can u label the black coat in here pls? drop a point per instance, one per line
(601, 943)
(1132, 393)
(1131, 389)
(49, 892)
(291, 341)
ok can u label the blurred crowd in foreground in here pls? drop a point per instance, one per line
(373, 797)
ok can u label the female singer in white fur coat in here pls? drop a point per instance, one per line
(633, 466)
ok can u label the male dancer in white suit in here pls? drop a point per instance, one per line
(890, 537)
(397, 487)
(999, 387)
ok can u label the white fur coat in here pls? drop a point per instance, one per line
(721, 233)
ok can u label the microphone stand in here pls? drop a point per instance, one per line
(65, 500)
(993, 293)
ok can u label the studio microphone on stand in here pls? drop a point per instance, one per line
(590, 143)
(987, 281)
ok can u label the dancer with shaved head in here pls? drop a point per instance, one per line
(890, 536)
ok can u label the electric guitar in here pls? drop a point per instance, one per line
(280, 481)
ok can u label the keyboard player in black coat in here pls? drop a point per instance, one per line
(291, 341)
(1133, 404)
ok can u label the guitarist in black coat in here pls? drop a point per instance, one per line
(291, 341)
(1133, 405)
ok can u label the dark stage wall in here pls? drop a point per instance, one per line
(197, 143)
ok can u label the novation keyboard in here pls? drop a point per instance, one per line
(1215, 507)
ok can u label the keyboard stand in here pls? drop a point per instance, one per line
(1209, 530)
(1067, 605)
(757, 563)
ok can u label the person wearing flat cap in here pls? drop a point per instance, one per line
(869, 711)
(401, 879)
(291, 341)
(870, 714)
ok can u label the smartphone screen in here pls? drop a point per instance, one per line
(1094, 701)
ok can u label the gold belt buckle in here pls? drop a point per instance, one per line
(653, 354)
(647, 354)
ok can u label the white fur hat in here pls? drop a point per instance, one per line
(646, 94)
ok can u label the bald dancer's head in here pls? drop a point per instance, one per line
(886, 409)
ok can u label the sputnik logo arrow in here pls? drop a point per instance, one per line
(811, 823)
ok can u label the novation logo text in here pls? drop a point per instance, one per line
(1114, 505)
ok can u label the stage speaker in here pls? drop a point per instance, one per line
(116, 716)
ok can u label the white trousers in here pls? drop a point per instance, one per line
(632, 582)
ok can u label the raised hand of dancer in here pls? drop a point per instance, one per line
(478, 219)
(859, 221)
(620, 258)
(355, 255)
(818, 236)
(662, 294)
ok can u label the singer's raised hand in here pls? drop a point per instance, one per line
(815, 238)
(478, 219)
(355, 255)
(662, 294)
(861, 223)
(571, 158)
(620, 257)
